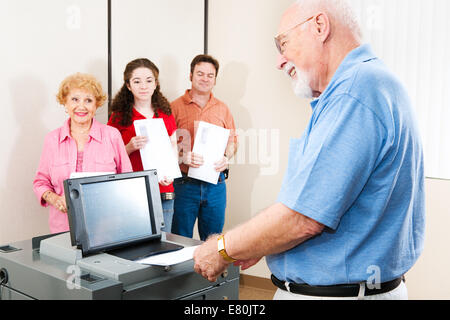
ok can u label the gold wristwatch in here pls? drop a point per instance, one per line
(222, 251)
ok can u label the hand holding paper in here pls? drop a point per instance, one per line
(157, 152)
(194, 160)
(210, 142)
(136, 143)
(221, 165)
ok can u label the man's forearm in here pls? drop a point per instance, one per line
(231, 150)
(274, 230)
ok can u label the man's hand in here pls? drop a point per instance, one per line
(193, 160)
(208, 262)
(221, 165)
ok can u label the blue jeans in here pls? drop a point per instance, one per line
(198, 199)
(167, 206)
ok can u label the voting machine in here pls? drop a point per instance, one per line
(115, 222)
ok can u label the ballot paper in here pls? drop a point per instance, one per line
(170, 258)
(210, 142)
(158, 152)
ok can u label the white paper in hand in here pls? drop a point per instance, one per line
(210, 142)
(158, 152)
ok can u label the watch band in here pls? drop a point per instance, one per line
(221, 249)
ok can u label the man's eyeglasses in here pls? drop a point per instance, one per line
(284, 34)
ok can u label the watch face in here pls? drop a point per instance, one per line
(220, 245)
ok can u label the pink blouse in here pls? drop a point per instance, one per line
(79, 162)
(103, 152)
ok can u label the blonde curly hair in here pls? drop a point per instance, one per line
(81, 81)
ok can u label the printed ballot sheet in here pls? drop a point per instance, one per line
(211, 142)
(158, 152)
(170, 258)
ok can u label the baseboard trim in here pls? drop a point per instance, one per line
(256, 282)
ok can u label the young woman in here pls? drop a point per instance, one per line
(140, 98)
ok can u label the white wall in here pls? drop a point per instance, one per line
(42, 42)
(168, 32)
(428, 279)
(413, 38)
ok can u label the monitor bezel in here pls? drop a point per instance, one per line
(73, 189)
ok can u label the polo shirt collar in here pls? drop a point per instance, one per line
(95, 132)
(358, 55)
(188, 99)
(361, 54)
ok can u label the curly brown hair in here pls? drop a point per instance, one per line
(122, 104)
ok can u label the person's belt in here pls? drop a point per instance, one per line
(167, 196)
(189, 179)
(341, 290)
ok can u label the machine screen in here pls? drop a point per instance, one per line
(116, 211)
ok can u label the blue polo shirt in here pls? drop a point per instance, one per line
(357, 169)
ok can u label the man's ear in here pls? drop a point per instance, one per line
(322, 27)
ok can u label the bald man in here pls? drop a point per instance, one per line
(349, 219)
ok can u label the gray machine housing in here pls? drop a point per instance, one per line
(51, 268)
(66, 266)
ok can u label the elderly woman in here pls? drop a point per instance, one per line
(81, 145)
